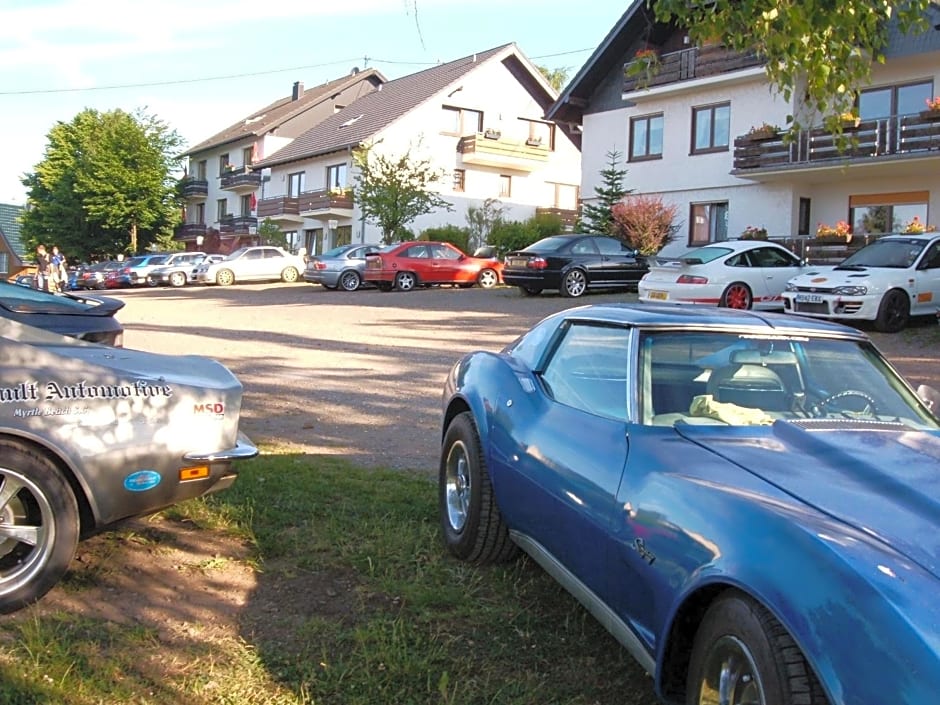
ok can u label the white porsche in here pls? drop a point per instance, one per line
(888, 281)
(741, 274)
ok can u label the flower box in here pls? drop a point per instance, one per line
(931, 115)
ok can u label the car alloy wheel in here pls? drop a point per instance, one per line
(893, 313)
(350, 281)
(290, 275)
(738, 296)
(225, 277)
(574, 283)
(487, 279)
(177, 279)
(405, 281)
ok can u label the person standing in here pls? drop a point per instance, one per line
(60, 272)
(43, 269)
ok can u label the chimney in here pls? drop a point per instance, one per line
(298, 90)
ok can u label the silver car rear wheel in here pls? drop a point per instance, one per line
(350, 281)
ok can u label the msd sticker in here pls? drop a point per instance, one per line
(216, 409)
(142, 480)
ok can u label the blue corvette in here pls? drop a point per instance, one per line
(749, 502)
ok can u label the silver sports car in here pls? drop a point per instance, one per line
(91, 434)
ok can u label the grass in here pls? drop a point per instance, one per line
(356, 603)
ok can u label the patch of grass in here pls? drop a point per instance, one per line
(357, 603)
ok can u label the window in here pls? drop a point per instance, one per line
(883, 102)
(313, 241)
(336, 177)
(221, 209)
(246, 155)
(4, 263)
(417, 252)
(709, 223)
(505, 186)
(444, 252)
(223, 163)
(804, 218)
(588, 370)
(343, 235)
(460, 179)
(200, 213)
(244, 204)
(539, 133)
(202, 168)
(886, 212)
(711, 127)
(566, 196)
(295, 184)
(461, 121)
(646, 137)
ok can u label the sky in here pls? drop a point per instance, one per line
(201, 65)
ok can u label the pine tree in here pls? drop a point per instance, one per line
(596, 217)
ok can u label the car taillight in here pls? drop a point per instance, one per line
(691, 279)
(537, 263)
(319, 265)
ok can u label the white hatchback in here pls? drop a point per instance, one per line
(740, 274)
(888, 281)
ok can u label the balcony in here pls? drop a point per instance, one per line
(190, 231)
(885, 147)
(689, 64)
(193, 189)
(326, 204)
(568, 216)
(281, 209)
(240, 180)
(238, 225)
(502, 152)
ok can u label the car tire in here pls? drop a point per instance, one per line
(37, 500)
(741, 653)
(290, 275)
(738, 296)
(487, 279)
(177, 279)
(405, 281)
(894, 312)
(225, 277)
(350, 280)
(471, 524)
(574, 283)
(151, 282)
(530, 290)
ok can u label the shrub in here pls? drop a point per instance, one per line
(513, 235)
(644, 222)
(454, 234)
(547, 224)
(754, 233)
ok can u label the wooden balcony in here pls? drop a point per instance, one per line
(690, 64)
(502, 152)
(240, 180)
(190, 231)
(238, 225)
(280, 208)
(193, 189)
(885, 146)
(326, 203)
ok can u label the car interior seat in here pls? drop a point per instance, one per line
(746, 384)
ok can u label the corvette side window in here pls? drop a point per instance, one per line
(588, 370)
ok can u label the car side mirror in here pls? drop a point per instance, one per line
(930, 397)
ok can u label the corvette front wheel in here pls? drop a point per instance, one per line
(471, 524)
(743, 656)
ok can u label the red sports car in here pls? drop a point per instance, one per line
(409, 264)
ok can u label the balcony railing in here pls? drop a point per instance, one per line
(238, 224)
(325, 200)
(191, 187)
(492, 149)
(189, 231)
(888, 139)
(240, 179)
(278, 206)
(688, 64)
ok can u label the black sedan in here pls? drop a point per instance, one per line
(573, 264)
(86, 318)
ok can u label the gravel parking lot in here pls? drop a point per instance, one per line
(360, 374)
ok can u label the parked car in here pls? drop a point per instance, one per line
(93, 276)
(83, 317)
(887, 281)
(23, 280)
(248, 264)
(179, 268)
(746, 501)
(88, 437)
(342, 267)
(736, 273)
(135, 269)
(407, 265)
(574, 264)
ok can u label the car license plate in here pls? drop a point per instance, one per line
(518, 261)
(808, 299)
(658, 295)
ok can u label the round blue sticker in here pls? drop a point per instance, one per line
(142, 480)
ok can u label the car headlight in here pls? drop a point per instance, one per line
(850, 290)
(791, 287)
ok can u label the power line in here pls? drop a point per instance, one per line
(253, 74)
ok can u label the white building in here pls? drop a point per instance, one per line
(478, 120)
(683, 134)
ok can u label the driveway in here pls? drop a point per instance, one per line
(360, 374)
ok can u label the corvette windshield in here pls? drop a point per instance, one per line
(894, 254)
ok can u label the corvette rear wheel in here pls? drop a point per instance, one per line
(743, 656)
(39, 525)
(405, 281)
(177, 279)
(574, 283)
(225, 277)
(737, 295)
(471, 524)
